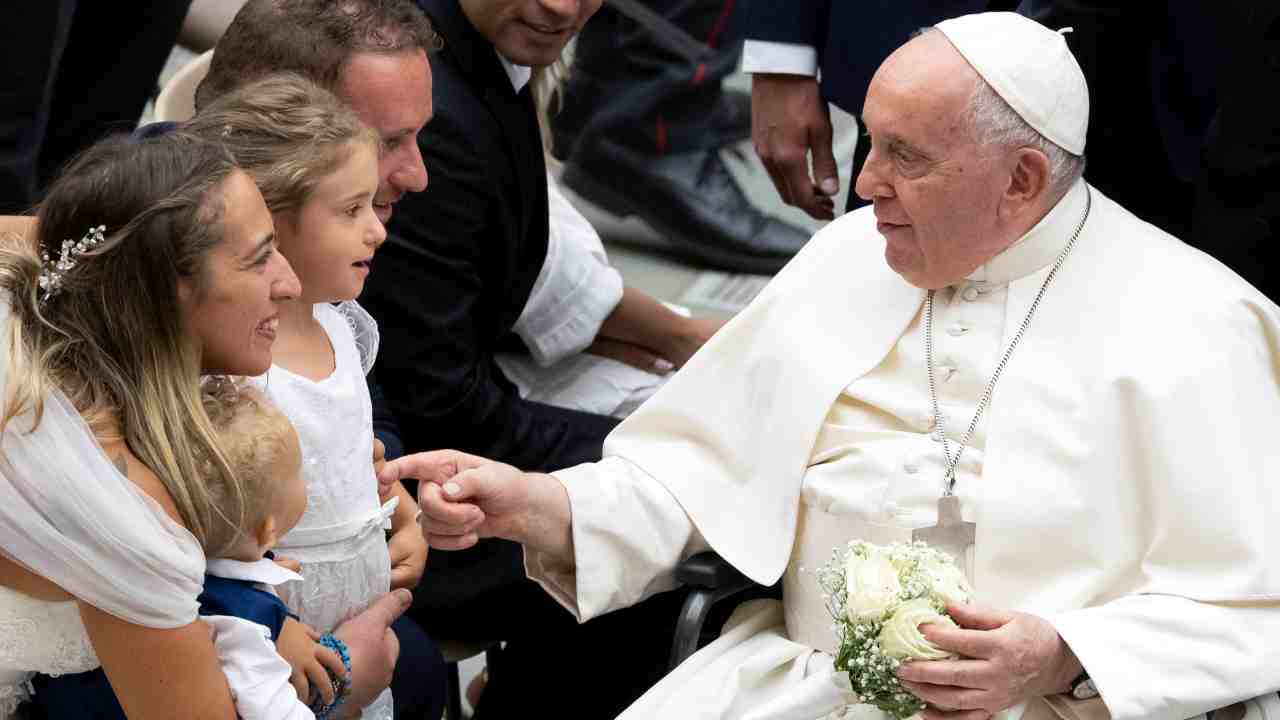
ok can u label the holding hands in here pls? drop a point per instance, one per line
(465, 498)
(1005, 658)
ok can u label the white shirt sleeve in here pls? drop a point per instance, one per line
(760, 56)
(256, 674)
(629, 535)
(575, 290)
(1163, 656)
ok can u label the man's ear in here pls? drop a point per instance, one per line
(1029, 180)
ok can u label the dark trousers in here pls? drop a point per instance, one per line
(628, 86)
(551, 666)
(69, 76)
(418, 685)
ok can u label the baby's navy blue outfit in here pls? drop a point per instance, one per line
(88, 695)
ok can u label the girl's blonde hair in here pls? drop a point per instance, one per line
(113, 339)
(260, 444)
(285, 131)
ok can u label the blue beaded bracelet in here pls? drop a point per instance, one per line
(340, 685)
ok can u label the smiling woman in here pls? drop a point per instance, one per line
(96, 354)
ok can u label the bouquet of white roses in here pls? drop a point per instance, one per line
(879, 597)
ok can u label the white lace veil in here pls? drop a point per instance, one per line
(69, 515)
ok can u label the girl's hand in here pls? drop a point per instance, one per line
(287, 563)
(380, 461)
(408, 549)
(310, 661)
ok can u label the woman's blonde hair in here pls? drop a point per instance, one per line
(285, 131)
(260, 444)
(113, 339)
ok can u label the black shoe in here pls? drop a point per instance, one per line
(691, 198)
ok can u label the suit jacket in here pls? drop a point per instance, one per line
(459, 264)
(852, 39)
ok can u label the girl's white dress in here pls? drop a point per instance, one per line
(340, 540)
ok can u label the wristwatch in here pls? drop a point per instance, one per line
(1082, 688)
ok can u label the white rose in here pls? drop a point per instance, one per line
(947, 582)
(872, 586)
(901, 637)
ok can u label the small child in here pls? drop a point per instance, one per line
(238, 603)
(317, 167)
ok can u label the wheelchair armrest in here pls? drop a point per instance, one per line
(709, 570)
(711, 579)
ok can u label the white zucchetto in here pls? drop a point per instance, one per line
(1031, 67)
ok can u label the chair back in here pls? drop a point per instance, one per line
(177, 100)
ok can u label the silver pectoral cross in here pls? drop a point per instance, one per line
(951, 534)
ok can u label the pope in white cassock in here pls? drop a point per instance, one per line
(1106, 396)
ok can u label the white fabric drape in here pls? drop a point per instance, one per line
(68, 514)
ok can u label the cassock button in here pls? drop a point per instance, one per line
(911, 468)
(970, 293)
(957, 330)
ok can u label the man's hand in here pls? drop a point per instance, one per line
(299, 645)
(373, 648)
(790, 122)
(465, 498)
(1005, 658)
(408, 549)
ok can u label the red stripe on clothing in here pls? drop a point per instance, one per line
(721, 23)
(660, 136)
(699, 75)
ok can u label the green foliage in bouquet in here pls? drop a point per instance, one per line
(878, 597)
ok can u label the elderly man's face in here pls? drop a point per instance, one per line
(392, 94)
(529, 32)
(936, 194)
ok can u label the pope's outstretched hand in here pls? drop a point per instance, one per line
(466, 498)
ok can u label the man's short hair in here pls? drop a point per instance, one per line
(313, 38)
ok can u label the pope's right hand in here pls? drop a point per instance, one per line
(452, 519)
(465, 498)
(373, 649)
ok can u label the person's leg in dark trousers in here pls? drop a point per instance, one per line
(643, 120)
(105, 78)
(553, 666)
(33, 36)
(628, 87)
(418, 683)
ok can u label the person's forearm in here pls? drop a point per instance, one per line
(641, 320)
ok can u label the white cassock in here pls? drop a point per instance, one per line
(1123, 479)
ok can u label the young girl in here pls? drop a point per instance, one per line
(316, 165)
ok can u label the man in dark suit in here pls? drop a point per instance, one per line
(448, 286)
(788, 43)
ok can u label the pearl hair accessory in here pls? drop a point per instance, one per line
(51, 275)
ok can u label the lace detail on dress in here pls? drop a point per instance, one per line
(364, 329)
(38, 636)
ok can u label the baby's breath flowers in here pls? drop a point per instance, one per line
(879, 596)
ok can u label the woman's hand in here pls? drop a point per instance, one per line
(372, 647)
(310, 661)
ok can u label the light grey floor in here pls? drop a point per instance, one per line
(663, 276)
